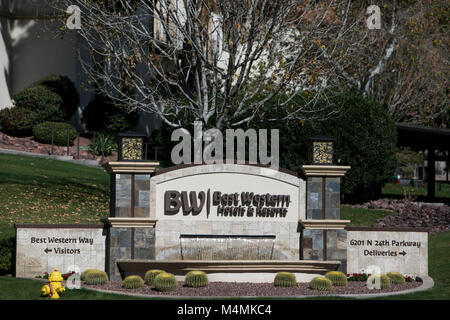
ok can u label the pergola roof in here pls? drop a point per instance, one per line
(423, 138)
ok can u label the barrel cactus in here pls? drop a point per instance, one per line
(150, 276)
(396, 277)
(132, 282)
(196, 279)
(321, 284)
(165, 282)
(382, 279)
(337, 278)
(85, 272)
(95, 277)
(285, 279)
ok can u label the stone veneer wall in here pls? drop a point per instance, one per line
(129, 243)
(314, 202)
(324, 244)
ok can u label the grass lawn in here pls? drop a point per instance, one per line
(363, 217)
(26, 289)
(37, 190)
(442, 190)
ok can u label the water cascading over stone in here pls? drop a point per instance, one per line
(227, 247)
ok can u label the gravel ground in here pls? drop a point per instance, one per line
(230, 289)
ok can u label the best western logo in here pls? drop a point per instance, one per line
(226, 204)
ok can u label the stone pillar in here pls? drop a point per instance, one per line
(431, 173)
(323, 235)
(131, 233)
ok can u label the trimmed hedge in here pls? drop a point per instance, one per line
(64, 87)
(18, 122)
(43, 133)
(42, 101)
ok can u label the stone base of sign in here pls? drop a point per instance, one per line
(69, 247)
(313, 241)
(181, 267)
(403, 250)
(129, 243)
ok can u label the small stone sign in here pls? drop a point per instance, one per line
(401, 250)
(41, 248)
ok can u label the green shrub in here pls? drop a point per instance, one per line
(196, 279)
(96, 277)
(337, 278)
(132, 282)
(165, 282)
(385, 282)
(365, 139)
(321, 284)
(102, 115)
(150, 276)
(64, 87)
(7, 255)
(18, 122)
(285, 279)
(108, 143)
(43, 133)
(396, 277)
(41, 100)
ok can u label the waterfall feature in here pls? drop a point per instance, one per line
(226, 247)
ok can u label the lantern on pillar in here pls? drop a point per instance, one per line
(131, 146)
(321, 150)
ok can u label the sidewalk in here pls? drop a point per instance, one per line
(89, 163)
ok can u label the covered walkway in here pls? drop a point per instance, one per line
(427, 139)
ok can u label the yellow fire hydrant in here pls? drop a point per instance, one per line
(54, 286)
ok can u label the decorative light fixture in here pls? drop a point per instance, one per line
(131, 146)
(321, 150)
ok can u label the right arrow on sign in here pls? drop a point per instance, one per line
(403, 253)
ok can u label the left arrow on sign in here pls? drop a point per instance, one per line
(47, 250)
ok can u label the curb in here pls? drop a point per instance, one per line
(427, 284)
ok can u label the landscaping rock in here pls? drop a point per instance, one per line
(411, 214)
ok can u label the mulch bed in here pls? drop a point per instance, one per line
(232, 289)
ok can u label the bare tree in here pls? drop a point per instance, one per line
(217, 62)
(403, 65)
